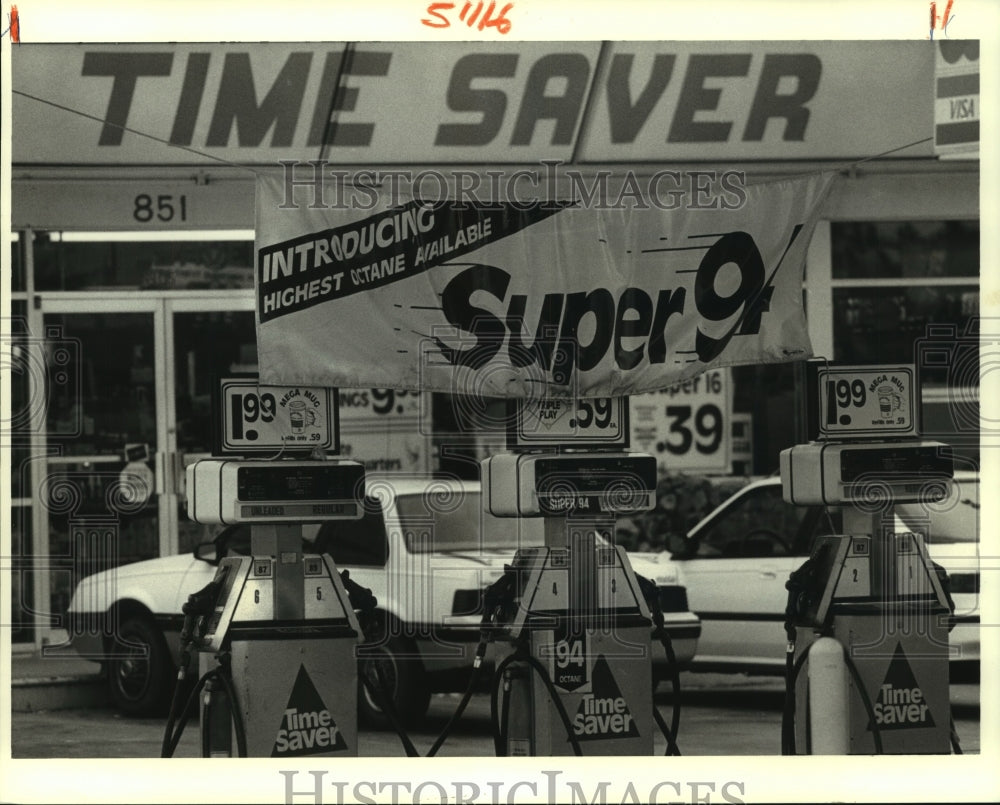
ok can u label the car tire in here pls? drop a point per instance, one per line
(140, 674)
(403, 676)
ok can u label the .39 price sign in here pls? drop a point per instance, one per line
(270, 419)
(687, 426)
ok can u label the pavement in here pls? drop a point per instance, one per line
(50, 679)
(47, 679)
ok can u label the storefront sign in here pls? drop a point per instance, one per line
(465, 102)
(509, 300)
(133, 205)
(956, 97)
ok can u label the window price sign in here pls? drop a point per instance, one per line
(688, 427)
(257, 419)
(861, 401)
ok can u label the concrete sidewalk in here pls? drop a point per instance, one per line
(50, 679)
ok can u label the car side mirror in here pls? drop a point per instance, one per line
(207, 552)
(680, 547)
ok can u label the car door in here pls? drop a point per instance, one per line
(735, 566)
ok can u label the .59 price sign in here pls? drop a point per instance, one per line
(583, 423)
(271, 419)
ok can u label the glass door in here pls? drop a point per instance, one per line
(206, 339)
(99, 485)
(128, 409)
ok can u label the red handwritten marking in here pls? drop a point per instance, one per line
(13, 25)
(435, 10)
(933, 15)
(947, 13)
(500, 22)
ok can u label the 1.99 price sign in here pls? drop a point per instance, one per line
(688, 426)
(860, 400)
(259, 419)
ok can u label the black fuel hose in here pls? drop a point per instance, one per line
(172, 734)
(380, 693)
(651, 595)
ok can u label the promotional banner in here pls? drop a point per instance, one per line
(518, 299)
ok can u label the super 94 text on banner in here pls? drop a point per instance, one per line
(529, 300)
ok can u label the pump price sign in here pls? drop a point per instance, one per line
(257, 419)
(555, 422)
(861, 401)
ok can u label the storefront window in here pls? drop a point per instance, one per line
(908, 292)
(102, 395)
(904, 249)
(207, 346)
(21, 576)
(24, 404)
(63, 263)
(887, 324)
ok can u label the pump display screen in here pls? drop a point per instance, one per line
(277, 483)
(894, 461)
(594, 474)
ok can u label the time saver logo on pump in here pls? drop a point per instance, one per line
(527, 299)
(307, 726)
(603, 713)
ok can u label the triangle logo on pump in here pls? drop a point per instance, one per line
(307, 726)
(604, 713)
(900, 703)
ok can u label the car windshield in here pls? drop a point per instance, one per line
(953, 520)
(455, 522)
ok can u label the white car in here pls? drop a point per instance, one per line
(423, 548)
(736, 560)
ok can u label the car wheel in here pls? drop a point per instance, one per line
(140, 674)
(395, 665)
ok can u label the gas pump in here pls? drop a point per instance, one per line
(867, 612)
(277, 629)
(577, 678)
